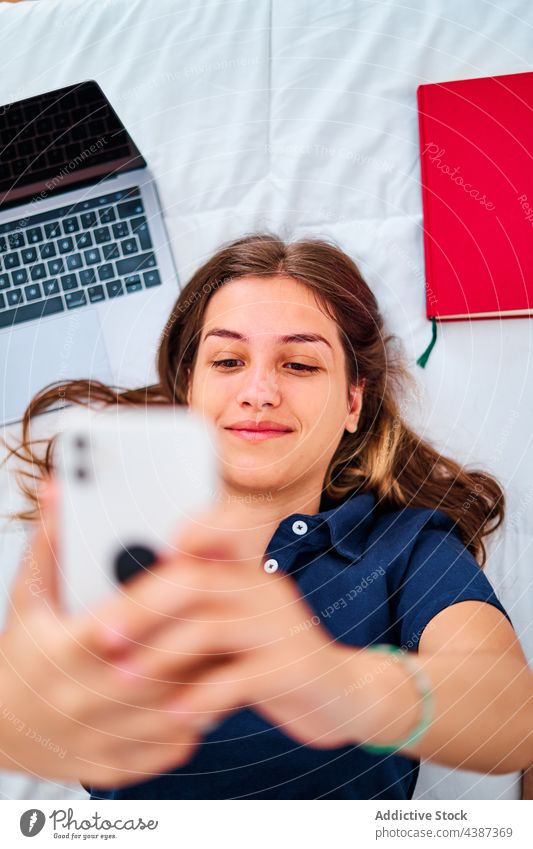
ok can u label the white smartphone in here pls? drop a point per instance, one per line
(128, 478)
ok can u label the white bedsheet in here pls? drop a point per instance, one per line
(301, 117)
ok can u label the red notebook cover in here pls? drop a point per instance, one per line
(476, 156)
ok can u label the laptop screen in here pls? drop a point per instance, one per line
(61, 139)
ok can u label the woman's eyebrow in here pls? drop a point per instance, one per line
(283, 340)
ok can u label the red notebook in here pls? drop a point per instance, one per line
(476, 152)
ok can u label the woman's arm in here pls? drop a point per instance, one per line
(482, 694)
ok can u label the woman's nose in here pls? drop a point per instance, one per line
(259, 387)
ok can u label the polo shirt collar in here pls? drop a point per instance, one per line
(345, 527)
(350, 524)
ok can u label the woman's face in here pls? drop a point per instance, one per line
(247, 376)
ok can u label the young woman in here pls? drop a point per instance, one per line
(331, 623)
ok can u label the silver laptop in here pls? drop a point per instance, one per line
(87, 279)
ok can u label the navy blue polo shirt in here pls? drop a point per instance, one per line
(371, 576)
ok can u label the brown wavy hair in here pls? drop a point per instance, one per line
(384, 455)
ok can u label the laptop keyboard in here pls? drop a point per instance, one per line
(75, 255)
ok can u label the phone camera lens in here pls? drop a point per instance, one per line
(81, 473)
(80, 443)
(132, 559)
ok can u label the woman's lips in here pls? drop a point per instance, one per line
(257, 435)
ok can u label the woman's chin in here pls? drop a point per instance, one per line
(251, 482)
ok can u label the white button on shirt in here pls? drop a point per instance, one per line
(299, 527)
(271, 565)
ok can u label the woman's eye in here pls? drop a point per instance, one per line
(302, 367)
(225, 365)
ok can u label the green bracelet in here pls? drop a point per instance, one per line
(424, 688)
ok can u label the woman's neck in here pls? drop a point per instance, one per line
(259, 514)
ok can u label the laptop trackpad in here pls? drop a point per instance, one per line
(35, 354)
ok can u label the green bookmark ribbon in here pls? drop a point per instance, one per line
(423, 358)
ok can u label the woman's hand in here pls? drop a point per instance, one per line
(238, 637)
(67, 709)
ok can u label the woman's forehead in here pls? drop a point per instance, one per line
(276, 305)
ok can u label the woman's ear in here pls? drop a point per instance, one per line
(356, 403)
